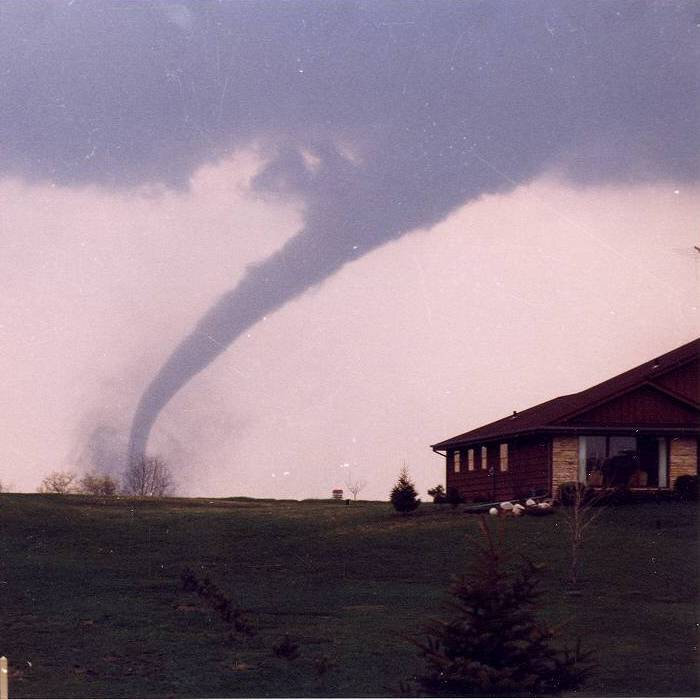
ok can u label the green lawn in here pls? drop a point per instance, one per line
(92, 603)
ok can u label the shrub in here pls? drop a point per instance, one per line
(216, 599)
(493, 645)
(454, 498)
(686, 487)
(438, 494)
(568, 491)
(404, 495)
(59, 482)
(98, 485)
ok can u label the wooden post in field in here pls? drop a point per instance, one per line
(3, 678)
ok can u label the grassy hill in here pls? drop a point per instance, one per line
(92, 603)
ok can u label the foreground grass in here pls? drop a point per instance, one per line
(92, 604)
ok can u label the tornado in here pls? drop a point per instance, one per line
(264, 288)
(348, 216)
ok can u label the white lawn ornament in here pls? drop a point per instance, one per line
(493, 511)
(506, 505)
(530, 502)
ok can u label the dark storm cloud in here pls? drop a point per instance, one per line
(381, 116)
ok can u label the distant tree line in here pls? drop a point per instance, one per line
(146, 476)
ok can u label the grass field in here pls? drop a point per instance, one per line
(92, 603)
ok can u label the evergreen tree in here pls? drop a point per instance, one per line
(493, 645)
(404, 494)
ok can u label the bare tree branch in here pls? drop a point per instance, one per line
(59, 482)
(148, 476)
(586, 507)
(354, 487)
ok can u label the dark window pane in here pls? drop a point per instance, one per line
(622, 461)
(595, 452)
(622, 445)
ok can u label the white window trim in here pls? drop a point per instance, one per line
(663, 462)
(582, 476)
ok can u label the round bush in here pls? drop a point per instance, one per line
(453, 497)
(686, 487)
(567, 492)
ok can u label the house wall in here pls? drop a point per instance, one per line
(683, 457)
(528, 468)
(470, 485)
(528, 471)
(564, 460)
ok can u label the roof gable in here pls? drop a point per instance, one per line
(646, 405)
(674, 371)
(683, 380)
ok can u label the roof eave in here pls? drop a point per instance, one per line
(573, 430)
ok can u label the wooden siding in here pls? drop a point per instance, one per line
(683, 457)
(643, 406)
(494, 458)
(528, 467)
(470, 484)
(528, 471)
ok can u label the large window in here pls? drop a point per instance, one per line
(456, 460)
(623, 460)
(484, 457)
(470, 459)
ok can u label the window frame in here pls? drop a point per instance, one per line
(503, 457)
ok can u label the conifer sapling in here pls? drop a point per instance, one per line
(493, 645)
(404, 495)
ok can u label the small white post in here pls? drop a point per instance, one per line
(3, 678)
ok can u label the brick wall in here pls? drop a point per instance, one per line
(683, 458)
(564, 460)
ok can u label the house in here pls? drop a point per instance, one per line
(638, 429)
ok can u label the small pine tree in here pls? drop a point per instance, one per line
(493, 646)
(404, 495)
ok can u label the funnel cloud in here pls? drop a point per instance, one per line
(381, 117)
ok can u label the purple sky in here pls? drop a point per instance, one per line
(305, 239)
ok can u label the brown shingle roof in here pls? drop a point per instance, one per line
(551, 413)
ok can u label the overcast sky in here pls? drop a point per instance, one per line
(284, 243)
